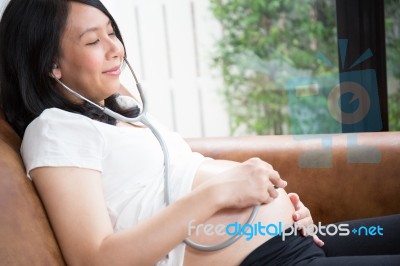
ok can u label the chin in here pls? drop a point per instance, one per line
(113, 87)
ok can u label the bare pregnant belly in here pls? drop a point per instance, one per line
(278, 212)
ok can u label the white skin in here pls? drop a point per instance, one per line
(223, 191)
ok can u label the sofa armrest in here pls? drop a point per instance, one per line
(338, 176)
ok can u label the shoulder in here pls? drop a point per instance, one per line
(55, 116)
(55, 127)
(61, 138)
(58, 122)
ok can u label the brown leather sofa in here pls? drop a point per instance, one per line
(338, 177)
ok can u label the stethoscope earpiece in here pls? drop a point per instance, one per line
(123, 64)
(128, 102)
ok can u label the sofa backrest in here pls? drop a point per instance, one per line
(26, 237)
(339, 177)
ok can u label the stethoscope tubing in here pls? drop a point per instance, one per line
(142, 118)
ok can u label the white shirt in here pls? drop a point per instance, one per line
(130, 160)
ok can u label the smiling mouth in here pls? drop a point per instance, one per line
(113, 71)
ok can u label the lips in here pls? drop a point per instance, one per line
(113, 71)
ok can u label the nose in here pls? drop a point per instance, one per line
(115, 48)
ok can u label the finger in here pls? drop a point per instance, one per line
(272, 192)
(318, 241)
(268, 170)
(297, 204)
(269, 200)
(294, 197)
(256, 161)
(301, 213)
(266, 198)
(269, 166)
(305, 222)
(275, 179)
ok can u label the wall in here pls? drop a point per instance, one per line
(170, 44)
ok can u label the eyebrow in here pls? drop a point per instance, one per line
(91, 29)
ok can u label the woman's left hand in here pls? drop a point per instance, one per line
(303, 217)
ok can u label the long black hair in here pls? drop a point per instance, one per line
(30, 37)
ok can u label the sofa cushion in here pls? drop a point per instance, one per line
(26, 237)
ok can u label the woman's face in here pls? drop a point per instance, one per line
(91, 54)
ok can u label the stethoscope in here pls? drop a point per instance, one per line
(142, 118)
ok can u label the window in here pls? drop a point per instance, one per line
(279, 63)
(309, 66)
(392, 30)
(213, 68)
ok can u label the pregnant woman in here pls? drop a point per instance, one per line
(101, 180)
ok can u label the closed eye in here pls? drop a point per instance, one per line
(93, 43)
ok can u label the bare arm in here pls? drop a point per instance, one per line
(75, 204)
(209, 169)
(74, 201)
(302, 214)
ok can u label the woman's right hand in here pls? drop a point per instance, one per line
(246, 184)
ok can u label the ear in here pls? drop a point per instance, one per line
(56, 71)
